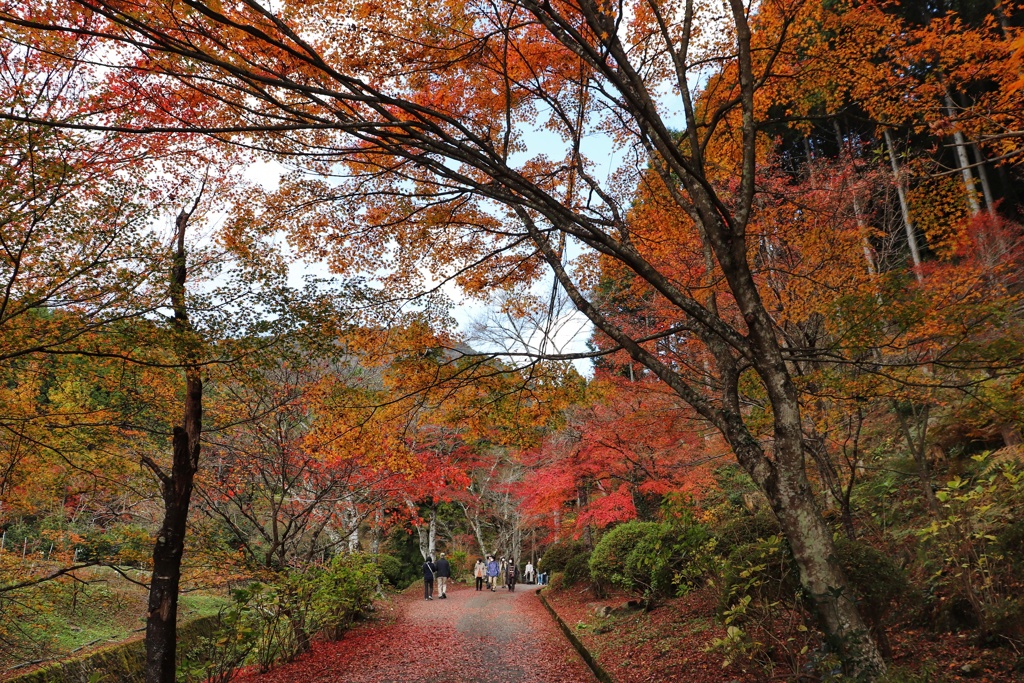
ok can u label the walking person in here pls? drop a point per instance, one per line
(528, 573)
(444, 572)
(429, 570)
(480, 571)
(493, 569)
(511, 574)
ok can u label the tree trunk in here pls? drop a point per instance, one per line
(428, 535)
(858, 212)
(901, 192)
(986, 186)
(963, 159)
(376, 531)
(821, 577)
(352, 522)
(478, 532)
(176, 488)
(920, 454)
(1010, 433)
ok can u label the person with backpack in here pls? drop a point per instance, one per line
(492, 572)
(429, 570)
(444, 572)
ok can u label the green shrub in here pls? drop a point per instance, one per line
(1010, 544)
(218, 656)
(671, 558)
(273, 623)
(926, 673)
(762, 572)
(392, 570)
(458, 559)
(760, 609)
(744, 530)
(577, 569)
(344, 592)
(961, 546)
(877, 583)
(761, 595)
(876, 580)
(608, 561)
(1006, 622)
(558, 554)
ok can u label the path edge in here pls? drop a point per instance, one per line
(577, 644)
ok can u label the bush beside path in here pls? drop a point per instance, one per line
(471, 636)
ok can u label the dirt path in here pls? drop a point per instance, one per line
(498, 637)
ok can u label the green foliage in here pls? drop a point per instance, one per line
(577, 569)
(272, 623)
(760, 573)
(458, 559)
(671, 558)
(343, 592)
(56, 536)
(122, 662)
(608, 561)
(745, 529)
(762, 606)
(558, 554)
(392, 570)
(656, 559)
(964, 555)
(405, 548)
(927, 673)
(124, 544)
(877, 581)
(1010, 544)
(217, 657)
(759, 606)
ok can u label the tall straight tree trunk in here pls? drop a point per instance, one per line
(901, 192)
(963, 158)
(986, 186)
(176, 487)
(376, 531)
(858, 212)
(474, 521)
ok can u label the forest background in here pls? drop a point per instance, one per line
(803, 277)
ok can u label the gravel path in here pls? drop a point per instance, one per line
(472, 636)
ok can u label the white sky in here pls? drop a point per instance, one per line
(570, 329)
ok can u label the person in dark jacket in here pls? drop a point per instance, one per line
(429, 570)
(444, 572)
(511, 574)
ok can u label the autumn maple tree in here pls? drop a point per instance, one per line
(805, 223)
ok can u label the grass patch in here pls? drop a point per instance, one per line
(104, 608)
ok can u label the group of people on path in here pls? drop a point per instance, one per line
(493, 570)
(490, 573)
